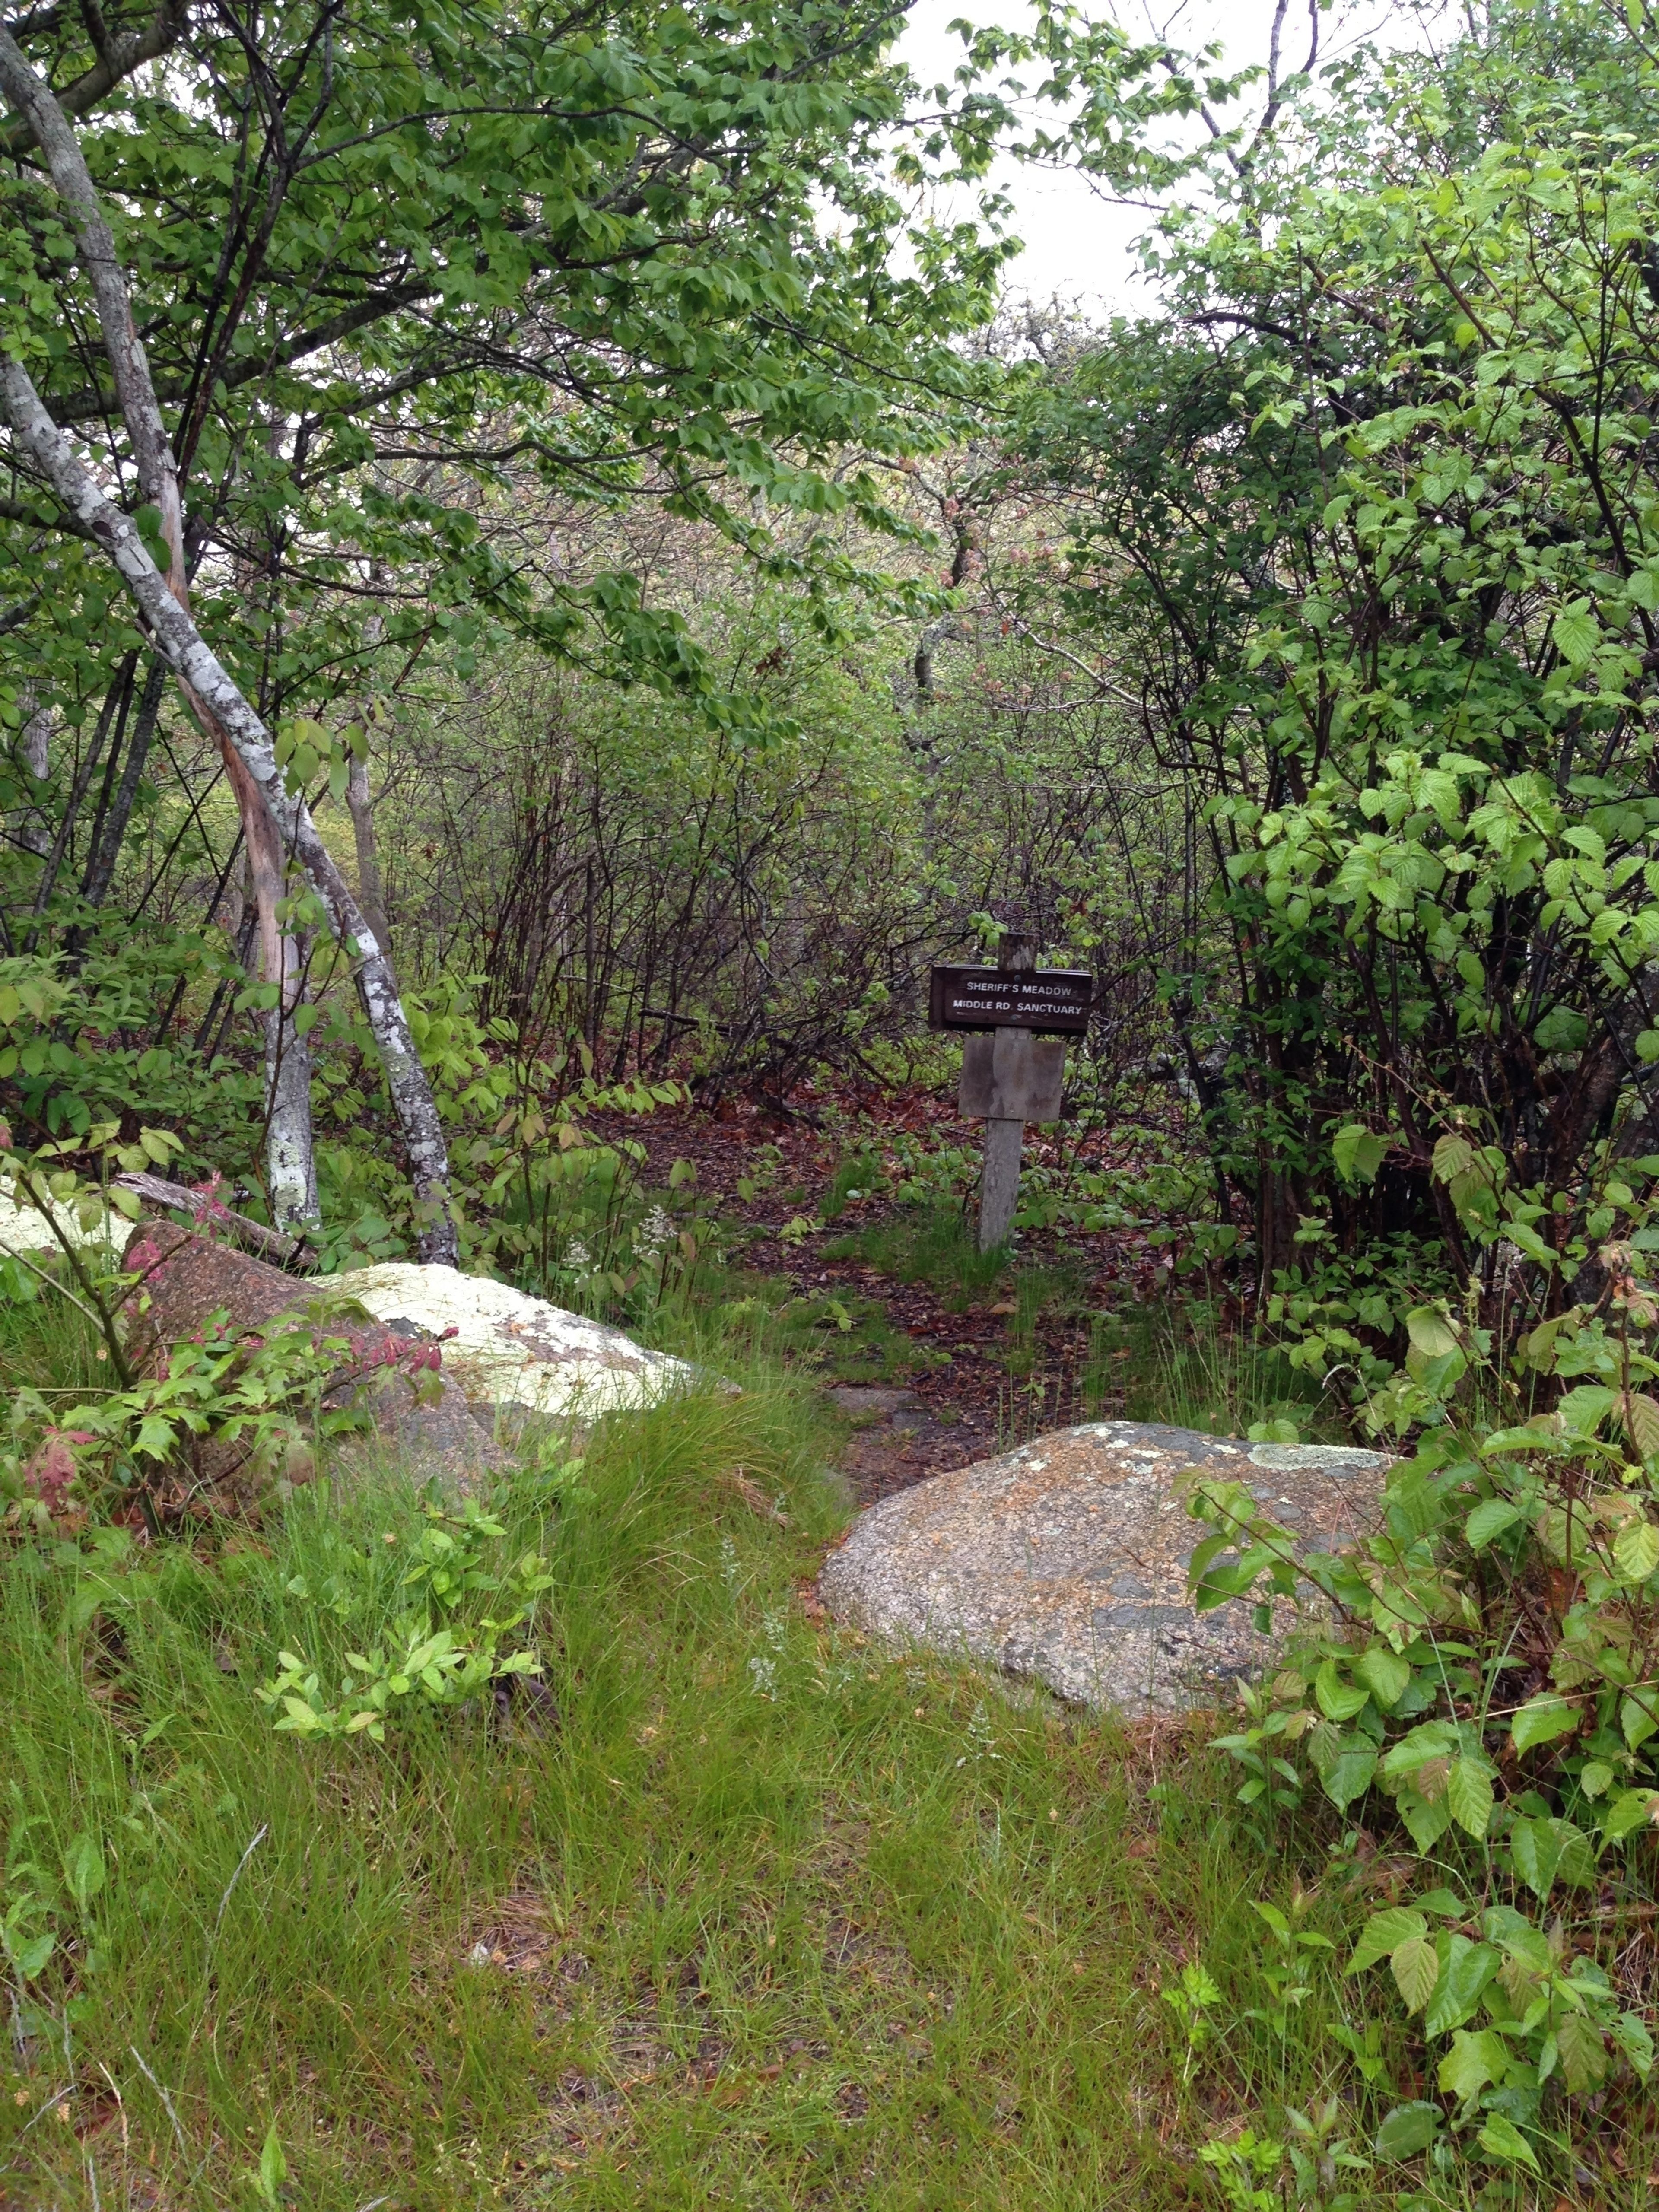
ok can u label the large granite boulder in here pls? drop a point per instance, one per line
(1065, 1562)
(512, 1350)
(432, 1356)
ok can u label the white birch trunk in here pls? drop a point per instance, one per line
(290, 1157)
(280, 820)
(34, 744)
(199, 671)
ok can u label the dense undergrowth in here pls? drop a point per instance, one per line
(760, 1917)
(723, 1907)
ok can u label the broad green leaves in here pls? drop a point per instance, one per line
(1469, 1795)
(1358, 1152)
(1416, 1969)
(645, 254)
(1541, 1720)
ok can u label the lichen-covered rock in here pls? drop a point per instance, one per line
(513, 1350)
(510, 1353)
(24, 1227)
(413, 1411)
(1066, 1561)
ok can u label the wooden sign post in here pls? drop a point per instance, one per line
(1011, 1074)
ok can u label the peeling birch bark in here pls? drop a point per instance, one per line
(271, 816)
(290, 1156)
(193, 661)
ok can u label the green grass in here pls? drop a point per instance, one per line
(938, 1246)
(770, 1918)
(831, 1335)
(1173, 1364)
(859, 1174)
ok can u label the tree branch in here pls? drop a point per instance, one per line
(124, 55)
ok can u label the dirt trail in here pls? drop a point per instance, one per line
(967, 1383)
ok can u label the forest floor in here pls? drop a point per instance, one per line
(941, 1357)
(751, 1914)
(764, 1917)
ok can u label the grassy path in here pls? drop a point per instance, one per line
(766, 1919)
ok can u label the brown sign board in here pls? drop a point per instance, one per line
(1053, 1000)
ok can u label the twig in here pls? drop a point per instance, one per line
(213, 1938)
(167, 2101)
(286, 1251)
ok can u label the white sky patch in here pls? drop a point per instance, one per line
(1079, 244)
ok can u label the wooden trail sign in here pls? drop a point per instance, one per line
(1012, 1073)
(1054, 999)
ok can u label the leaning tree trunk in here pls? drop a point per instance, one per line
(210, 691)
(370, 886)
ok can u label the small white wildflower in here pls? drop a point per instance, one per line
(764, 1677)
(655, 1232)
(728, 1562)
(578, 1256)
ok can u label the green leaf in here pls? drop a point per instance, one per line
(1576, 633)
(1543, 1851)
(1584, 2054)
(1469, 1797)
(84, 1869)
(273, 2167)
(1416, 1970)
(1489, 1519)
(1407, 2130)
(1385, 1932)
(1636, 1550)
(1536, 1853)
(1631, 2034)
(1338, 1700)
(1501, 2139)
(1454, 1155)
(1349, 1774)
(29, 1957)
(1562, 1030)
(1384, 1673)
(1540, 1719)
(1431, 1333)
(154, 1437)
(1427, 1819)
(1637, 1716)
(1467, 1969)
(1357, 1154)
(1582, 1410)
(1471, 2063)
(1642, 1424)
(1630, 1810)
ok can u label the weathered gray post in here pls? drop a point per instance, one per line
(1005, 1135)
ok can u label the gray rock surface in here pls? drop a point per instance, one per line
(511, 1350)
(1065, 1562)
